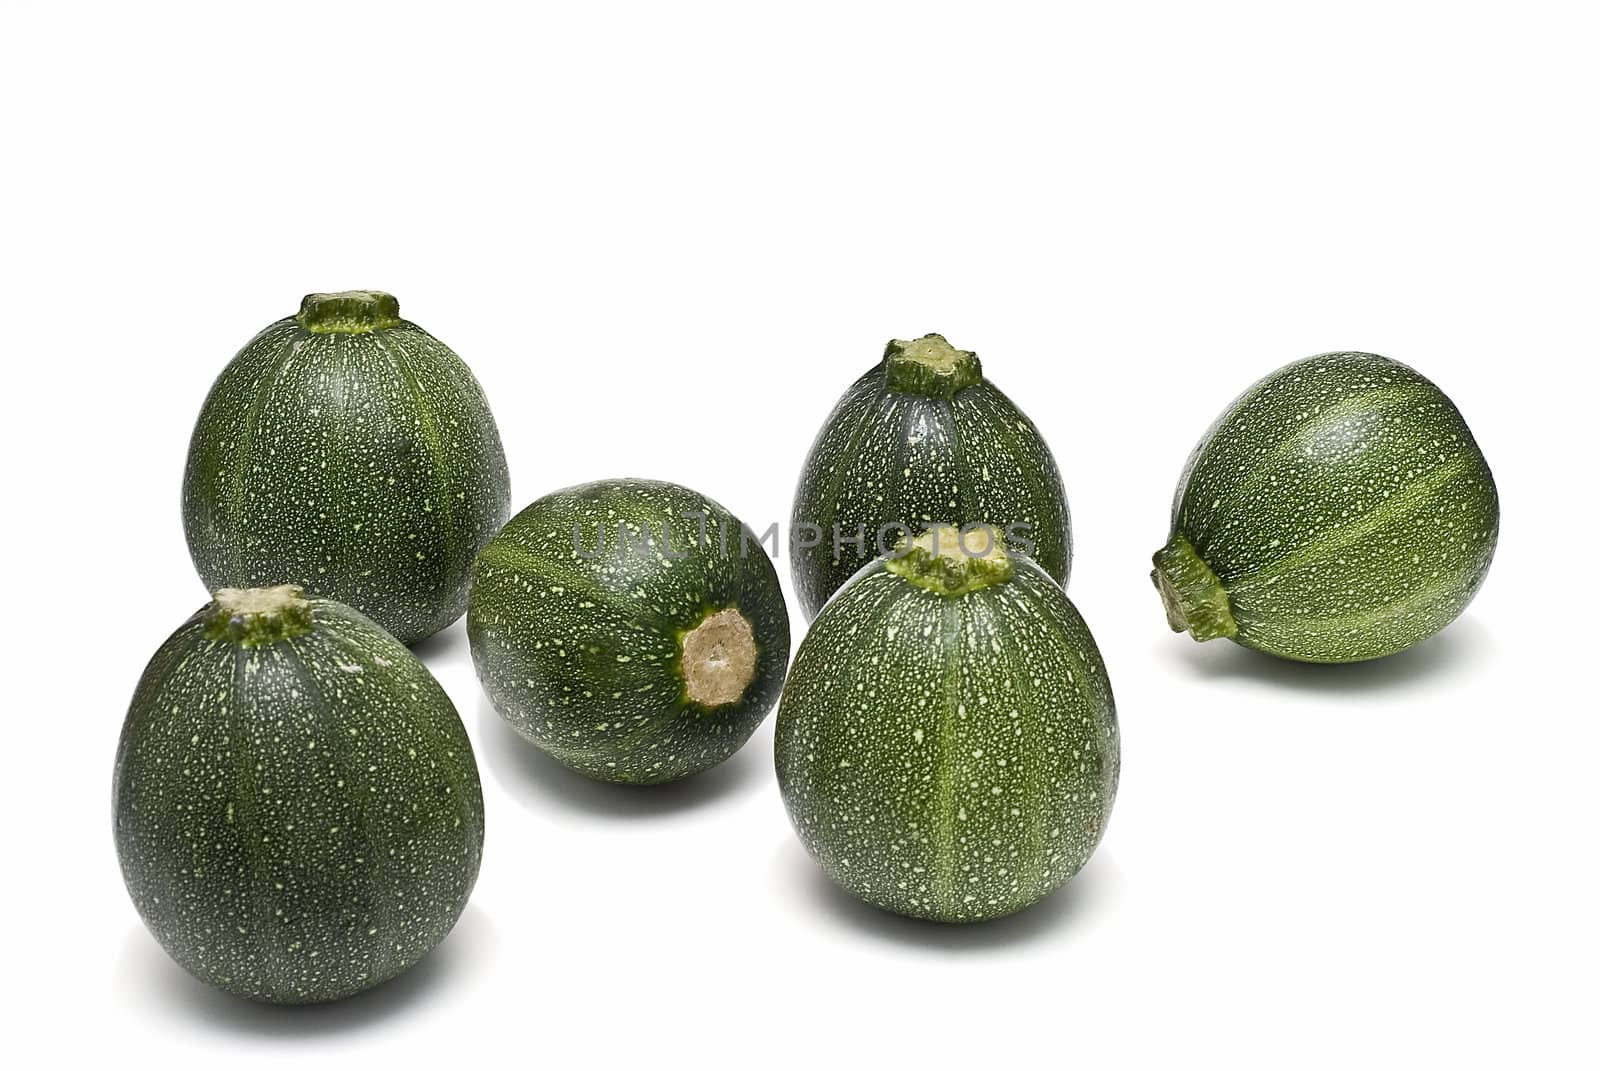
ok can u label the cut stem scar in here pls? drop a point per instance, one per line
(719, 658)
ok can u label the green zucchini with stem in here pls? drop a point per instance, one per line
(634, 630)
(351, 452)
(297, 808)
(1339, 510)
(922, 439)
(947, 742)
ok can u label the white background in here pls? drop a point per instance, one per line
(666, 237)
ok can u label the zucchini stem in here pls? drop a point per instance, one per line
(930, 366)
(1195, 599)
(952, 561)
(349, 312)
(256, 617)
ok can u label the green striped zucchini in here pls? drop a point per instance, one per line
(922, 438)
(297, 808)
(947, 743)
(1339, 510)
(351, 452)
(632, 629)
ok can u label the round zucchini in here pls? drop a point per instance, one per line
(351, 452)
(297, 809)
(633, 630)
(947, 742)
(922, 438)
(1339, 510)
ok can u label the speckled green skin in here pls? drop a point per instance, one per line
(949, 757)
(886, 456)
(298, 821)
(582, 656)
(365, 467)
(1345, 508)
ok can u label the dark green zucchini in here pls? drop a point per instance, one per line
(947, 742)
(633, 630)
(351, 452)
(298, 812)
(1339, 510)
(922, 438)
